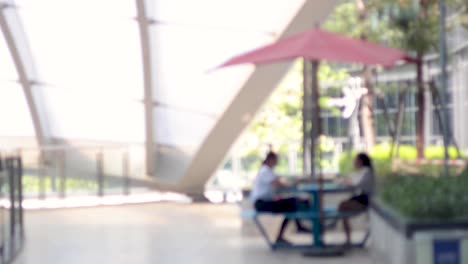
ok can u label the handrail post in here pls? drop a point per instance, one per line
(19, 178)
(126, 172)
(100, 173)
(41, 176)
(63, 174)
(11, 183)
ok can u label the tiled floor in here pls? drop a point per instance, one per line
(152, 233)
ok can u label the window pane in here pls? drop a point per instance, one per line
(409, 124)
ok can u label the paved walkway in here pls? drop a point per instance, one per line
(152, 233)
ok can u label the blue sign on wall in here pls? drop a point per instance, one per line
(447, 251)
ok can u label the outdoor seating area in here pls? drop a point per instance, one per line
(320, 221)
(317, 247)
(247, 131)
(312, 46)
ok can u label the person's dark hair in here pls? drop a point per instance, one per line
(270, 156)
(365, 160)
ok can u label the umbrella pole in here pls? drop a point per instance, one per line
(306, 111)
(315, 140)
(315, 118)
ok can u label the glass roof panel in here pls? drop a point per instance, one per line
(14, 114)
(86, 115)
(21, 42)
(192, 37)
(239, 15)
(101, 51)
(179, 128)
(88, 54)
(182, 71)
(7, 67)
(88, 60)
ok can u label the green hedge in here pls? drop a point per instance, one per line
(382, 152)
(437, 152)
(380, 155)
(346, 162)
(422, 197)
(31, 184)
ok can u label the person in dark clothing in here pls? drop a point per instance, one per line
(363, 181)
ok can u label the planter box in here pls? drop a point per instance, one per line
(399, 240)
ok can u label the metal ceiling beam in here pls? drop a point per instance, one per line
(144, 25)
(20, 62)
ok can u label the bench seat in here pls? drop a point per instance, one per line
(329, 213)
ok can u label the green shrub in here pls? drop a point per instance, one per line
(380, 155)
(382, 167)
(433, 198)
(407, 152)
(31, 183)
(282, 167)
(346, 162)
(382, 151)
(437, 152)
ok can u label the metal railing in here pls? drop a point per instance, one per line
(11, 207)
(63, 171)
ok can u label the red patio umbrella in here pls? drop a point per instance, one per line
(315, 45)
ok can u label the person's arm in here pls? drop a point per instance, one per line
(278, 182)
(354, 180)
(302, 180)
(268, 177)
(357, 180)
(345, 181)
(284, 183)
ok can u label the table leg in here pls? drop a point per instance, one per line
(316, 223)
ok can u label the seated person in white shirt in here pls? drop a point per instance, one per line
(265, 198)
(363, 180)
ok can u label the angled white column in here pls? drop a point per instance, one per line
(20, 54)
(244, 105)
(144, 23)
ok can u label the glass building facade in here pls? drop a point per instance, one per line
(392, 85)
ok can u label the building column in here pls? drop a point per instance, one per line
(21, 58)
(144, 24)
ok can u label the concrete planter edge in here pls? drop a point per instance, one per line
(399, 240)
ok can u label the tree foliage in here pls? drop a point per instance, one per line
(415, 23)
(408, 24)
(345, 20)
(279, 121)
(462, 7)
(412, 25)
